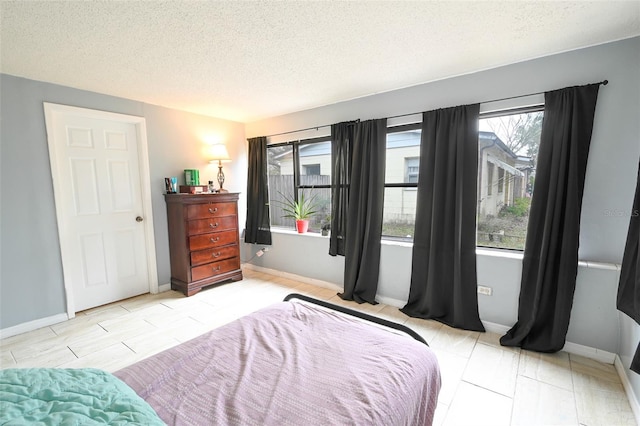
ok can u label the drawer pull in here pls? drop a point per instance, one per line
(214, 240)
(213, 225)
(216, 269)
(213, 210)
(216, 254)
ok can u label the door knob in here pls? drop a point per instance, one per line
(139, 219)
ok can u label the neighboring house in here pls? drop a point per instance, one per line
(503, 175)
(315, 159)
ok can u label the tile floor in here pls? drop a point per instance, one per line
(483, 383)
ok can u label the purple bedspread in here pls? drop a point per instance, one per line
(291, 364)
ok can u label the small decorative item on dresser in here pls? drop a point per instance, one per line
(191, 177)
(212, 188)
(193, 189)
(171, 185)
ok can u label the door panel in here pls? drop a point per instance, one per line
(99, 196)
(93, 260)
(125, 242)
(84, 186)
(120, 188)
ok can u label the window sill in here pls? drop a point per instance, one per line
(504, 253)
(482, 251)
(287, 231)
(397, 243)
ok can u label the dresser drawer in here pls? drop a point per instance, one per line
(215, 268)
(201, 226)
(215, 239)
(203, 211)
(201, 257)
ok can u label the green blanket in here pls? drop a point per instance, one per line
(55, 396)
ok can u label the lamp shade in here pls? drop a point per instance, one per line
(218, 152)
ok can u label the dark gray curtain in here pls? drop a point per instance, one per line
(629, 286)
(341, 149)
(258, 228)
(550, 263)
(443, 273)
(364, 214)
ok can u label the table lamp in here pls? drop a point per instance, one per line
(219, 153)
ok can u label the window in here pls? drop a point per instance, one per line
(508, 145)
(490, 172)
(300, 167)
(311, 169)
(500, 180)
(401, 182)
(507, 151)
(412, 169)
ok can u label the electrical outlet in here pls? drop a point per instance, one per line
(484, 290)
(265, 249)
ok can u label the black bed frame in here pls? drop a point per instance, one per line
(358, 314)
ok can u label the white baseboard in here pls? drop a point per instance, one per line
(32, 325)
(631, 395)
(45, 322)
(589, 352)
(397, 303)
(492, 327)
(572, 348)
(306, 280)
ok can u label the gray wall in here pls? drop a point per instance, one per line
(31, 283)
(610, 181)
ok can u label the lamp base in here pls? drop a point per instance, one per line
(221, 191)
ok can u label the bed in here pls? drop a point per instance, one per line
(297, 362)
(58, 396)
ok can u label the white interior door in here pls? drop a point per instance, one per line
(99, 191)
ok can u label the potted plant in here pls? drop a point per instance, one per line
(326, 226)
(300, 210)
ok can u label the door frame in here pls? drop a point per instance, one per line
(50, 112)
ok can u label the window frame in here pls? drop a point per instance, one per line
(398, 129)
(534, 107)
(411, 186)
(295, 144)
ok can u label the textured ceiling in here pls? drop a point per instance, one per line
(248, 60)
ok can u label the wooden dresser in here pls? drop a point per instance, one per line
(203, 240)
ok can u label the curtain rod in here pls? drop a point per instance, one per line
(309, 128)
(297, 131)
(603, 82)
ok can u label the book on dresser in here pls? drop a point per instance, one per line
(203, 240)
